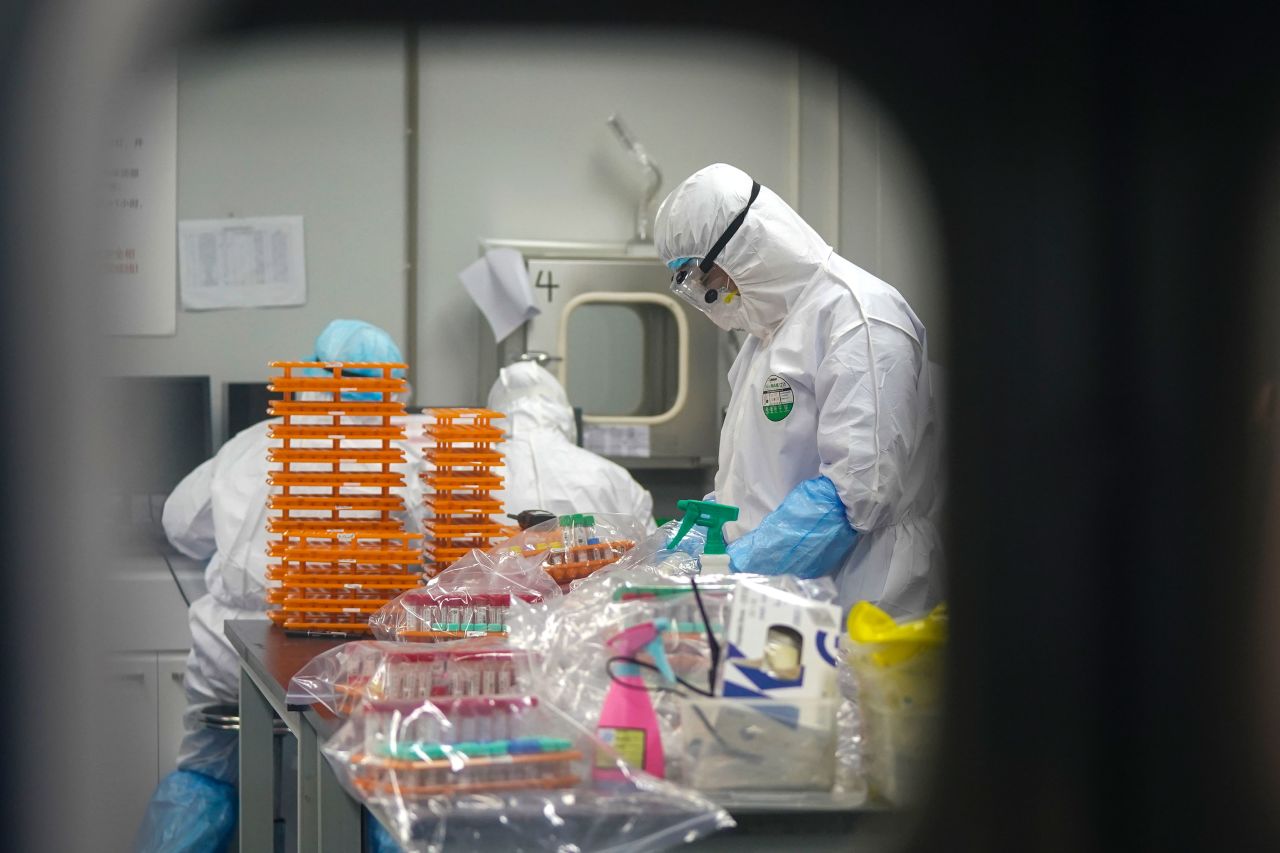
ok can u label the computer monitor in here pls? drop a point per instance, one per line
(161, 428)
(246, 405)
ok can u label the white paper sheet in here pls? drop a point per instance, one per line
(141, 198)
(498, 284)
(616, 439)
(242, 263)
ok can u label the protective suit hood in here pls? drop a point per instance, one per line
(532, 400)
(545, 469)
(772, 258)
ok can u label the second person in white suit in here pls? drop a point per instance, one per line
(545, 469)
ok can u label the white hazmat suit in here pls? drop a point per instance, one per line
(219, 512)
(832, 381)
(545, 469)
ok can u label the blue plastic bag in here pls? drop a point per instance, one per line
(188, 813)
(377, 838)
(808, 535)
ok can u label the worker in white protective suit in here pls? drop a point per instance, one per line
(219, 513)
(830, 444)
(545, 468)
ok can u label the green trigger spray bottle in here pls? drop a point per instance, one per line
(712, 516)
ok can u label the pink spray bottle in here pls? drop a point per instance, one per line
(628, 722)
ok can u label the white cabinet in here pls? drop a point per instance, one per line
(139, 724)
(141, 729)
(127, 722)
(151, 614)
(172, 703)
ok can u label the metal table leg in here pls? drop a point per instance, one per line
(339, 814)
(257, 830)
(308, 789)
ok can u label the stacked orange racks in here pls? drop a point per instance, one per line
(461, 480)
(341, 553)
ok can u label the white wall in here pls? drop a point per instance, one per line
(514, 145)
(888, 225)
(312, 127)
(511, 143)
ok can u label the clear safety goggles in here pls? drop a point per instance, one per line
(691, 277)
(690, 283)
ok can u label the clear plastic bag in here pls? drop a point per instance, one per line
(472, 597)
(576, 664)
(571, 635)
(506, 773)
(573, 547)
(850, 772)
(469, 599)
(654, 551)
(343, 677)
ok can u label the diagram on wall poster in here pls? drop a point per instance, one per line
(249, 262)
(139, 193)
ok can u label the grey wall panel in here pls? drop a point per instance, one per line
(304, 126)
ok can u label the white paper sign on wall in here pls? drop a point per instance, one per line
(249, 262)
(140, 195)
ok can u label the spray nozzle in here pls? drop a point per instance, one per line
(646, 637)
(708, 514)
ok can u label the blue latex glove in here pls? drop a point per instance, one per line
(188, 813)
(807, 536)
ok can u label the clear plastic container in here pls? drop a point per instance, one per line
(897, 668)
(900, 749)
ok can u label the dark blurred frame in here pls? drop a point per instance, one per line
(1099, 171)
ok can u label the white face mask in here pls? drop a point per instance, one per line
(728, 313)
(721, 304)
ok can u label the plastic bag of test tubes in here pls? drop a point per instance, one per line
(343, 677)
(573, 547)
(427, 615)
(471, 598)
(505, 773)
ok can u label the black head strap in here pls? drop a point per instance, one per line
(705, 266)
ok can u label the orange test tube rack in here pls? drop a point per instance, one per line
(462, 459)
(338, 552)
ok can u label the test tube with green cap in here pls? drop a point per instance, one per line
(566, 542)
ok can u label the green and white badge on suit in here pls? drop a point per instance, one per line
(833, 380)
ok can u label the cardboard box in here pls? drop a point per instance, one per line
(781, 646)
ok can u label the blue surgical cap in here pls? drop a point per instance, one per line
(356, 340)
